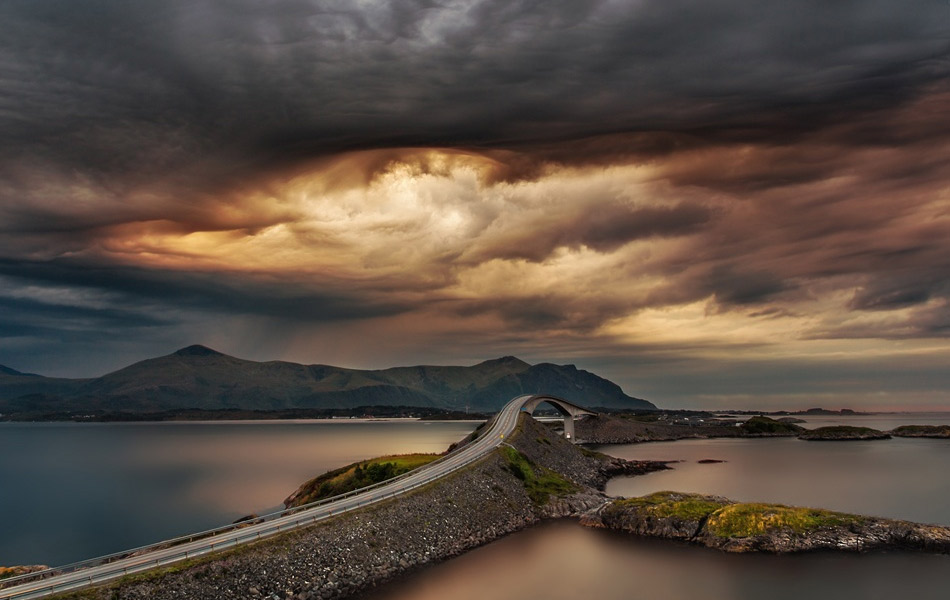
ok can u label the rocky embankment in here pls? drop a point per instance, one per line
(843, 433)
(538, 475)
(720, 523)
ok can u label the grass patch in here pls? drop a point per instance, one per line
(540, 483)
(357, 475)
(691, 507)
(752, 519)
(737, 520)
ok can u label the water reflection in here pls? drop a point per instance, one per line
(563, 561)
(73, 491)
(899, 478)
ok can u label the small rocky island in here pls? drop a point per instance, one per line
(717, 522)
(838, 433)
(633, 429)
(637, 428)
(922, 431)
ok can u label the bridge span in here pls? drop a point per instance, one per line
(568, 410)
(107, 568)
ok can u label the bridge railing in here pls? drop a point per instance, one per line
(229, 543)
(185, 539)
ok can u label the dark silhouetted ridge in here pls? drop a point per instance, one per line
(504, 361)
(197, 377)
(9, 371)
(198, 350)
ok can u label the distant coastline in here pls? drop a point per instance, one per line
(236, 414)
(688, 421)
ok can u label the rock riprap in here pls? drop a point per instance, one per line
(537, 475)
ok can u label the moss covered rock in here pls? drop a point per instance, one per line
(720, 523)
(672, 515)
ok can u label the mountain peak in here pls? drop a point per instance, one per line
(506, 361)
(197, 350)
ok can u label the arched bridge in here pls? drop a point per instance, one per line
(568, 410)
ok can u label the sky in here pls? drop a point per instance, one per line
(714, 204)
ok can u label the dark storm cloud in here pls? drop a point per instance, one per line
(27, 318)
(116, 113)
(152, 86)
(156, 290)
(785, 152)
(900, 291)
(564, 312)
(733, 287)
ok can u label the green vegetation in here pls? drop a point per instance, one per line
(765, 425)
(724, 518)
(691, 507)
(539, 482)
(752, 519)
(357, 475)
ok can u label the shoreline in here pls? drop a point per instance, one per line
(342, 555)
(538, 477)
(420, 413)
(607, 429)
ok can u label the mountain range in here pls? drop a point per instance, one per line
(198, 377)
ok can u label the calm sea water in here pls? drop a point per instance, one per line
(564, 561)
(906, 478)
(74, 491)
(79, 490)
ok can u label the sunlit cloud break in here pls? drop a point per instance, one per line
(710, 205)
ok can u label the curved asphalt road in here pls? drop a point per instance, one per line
(503, 424)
